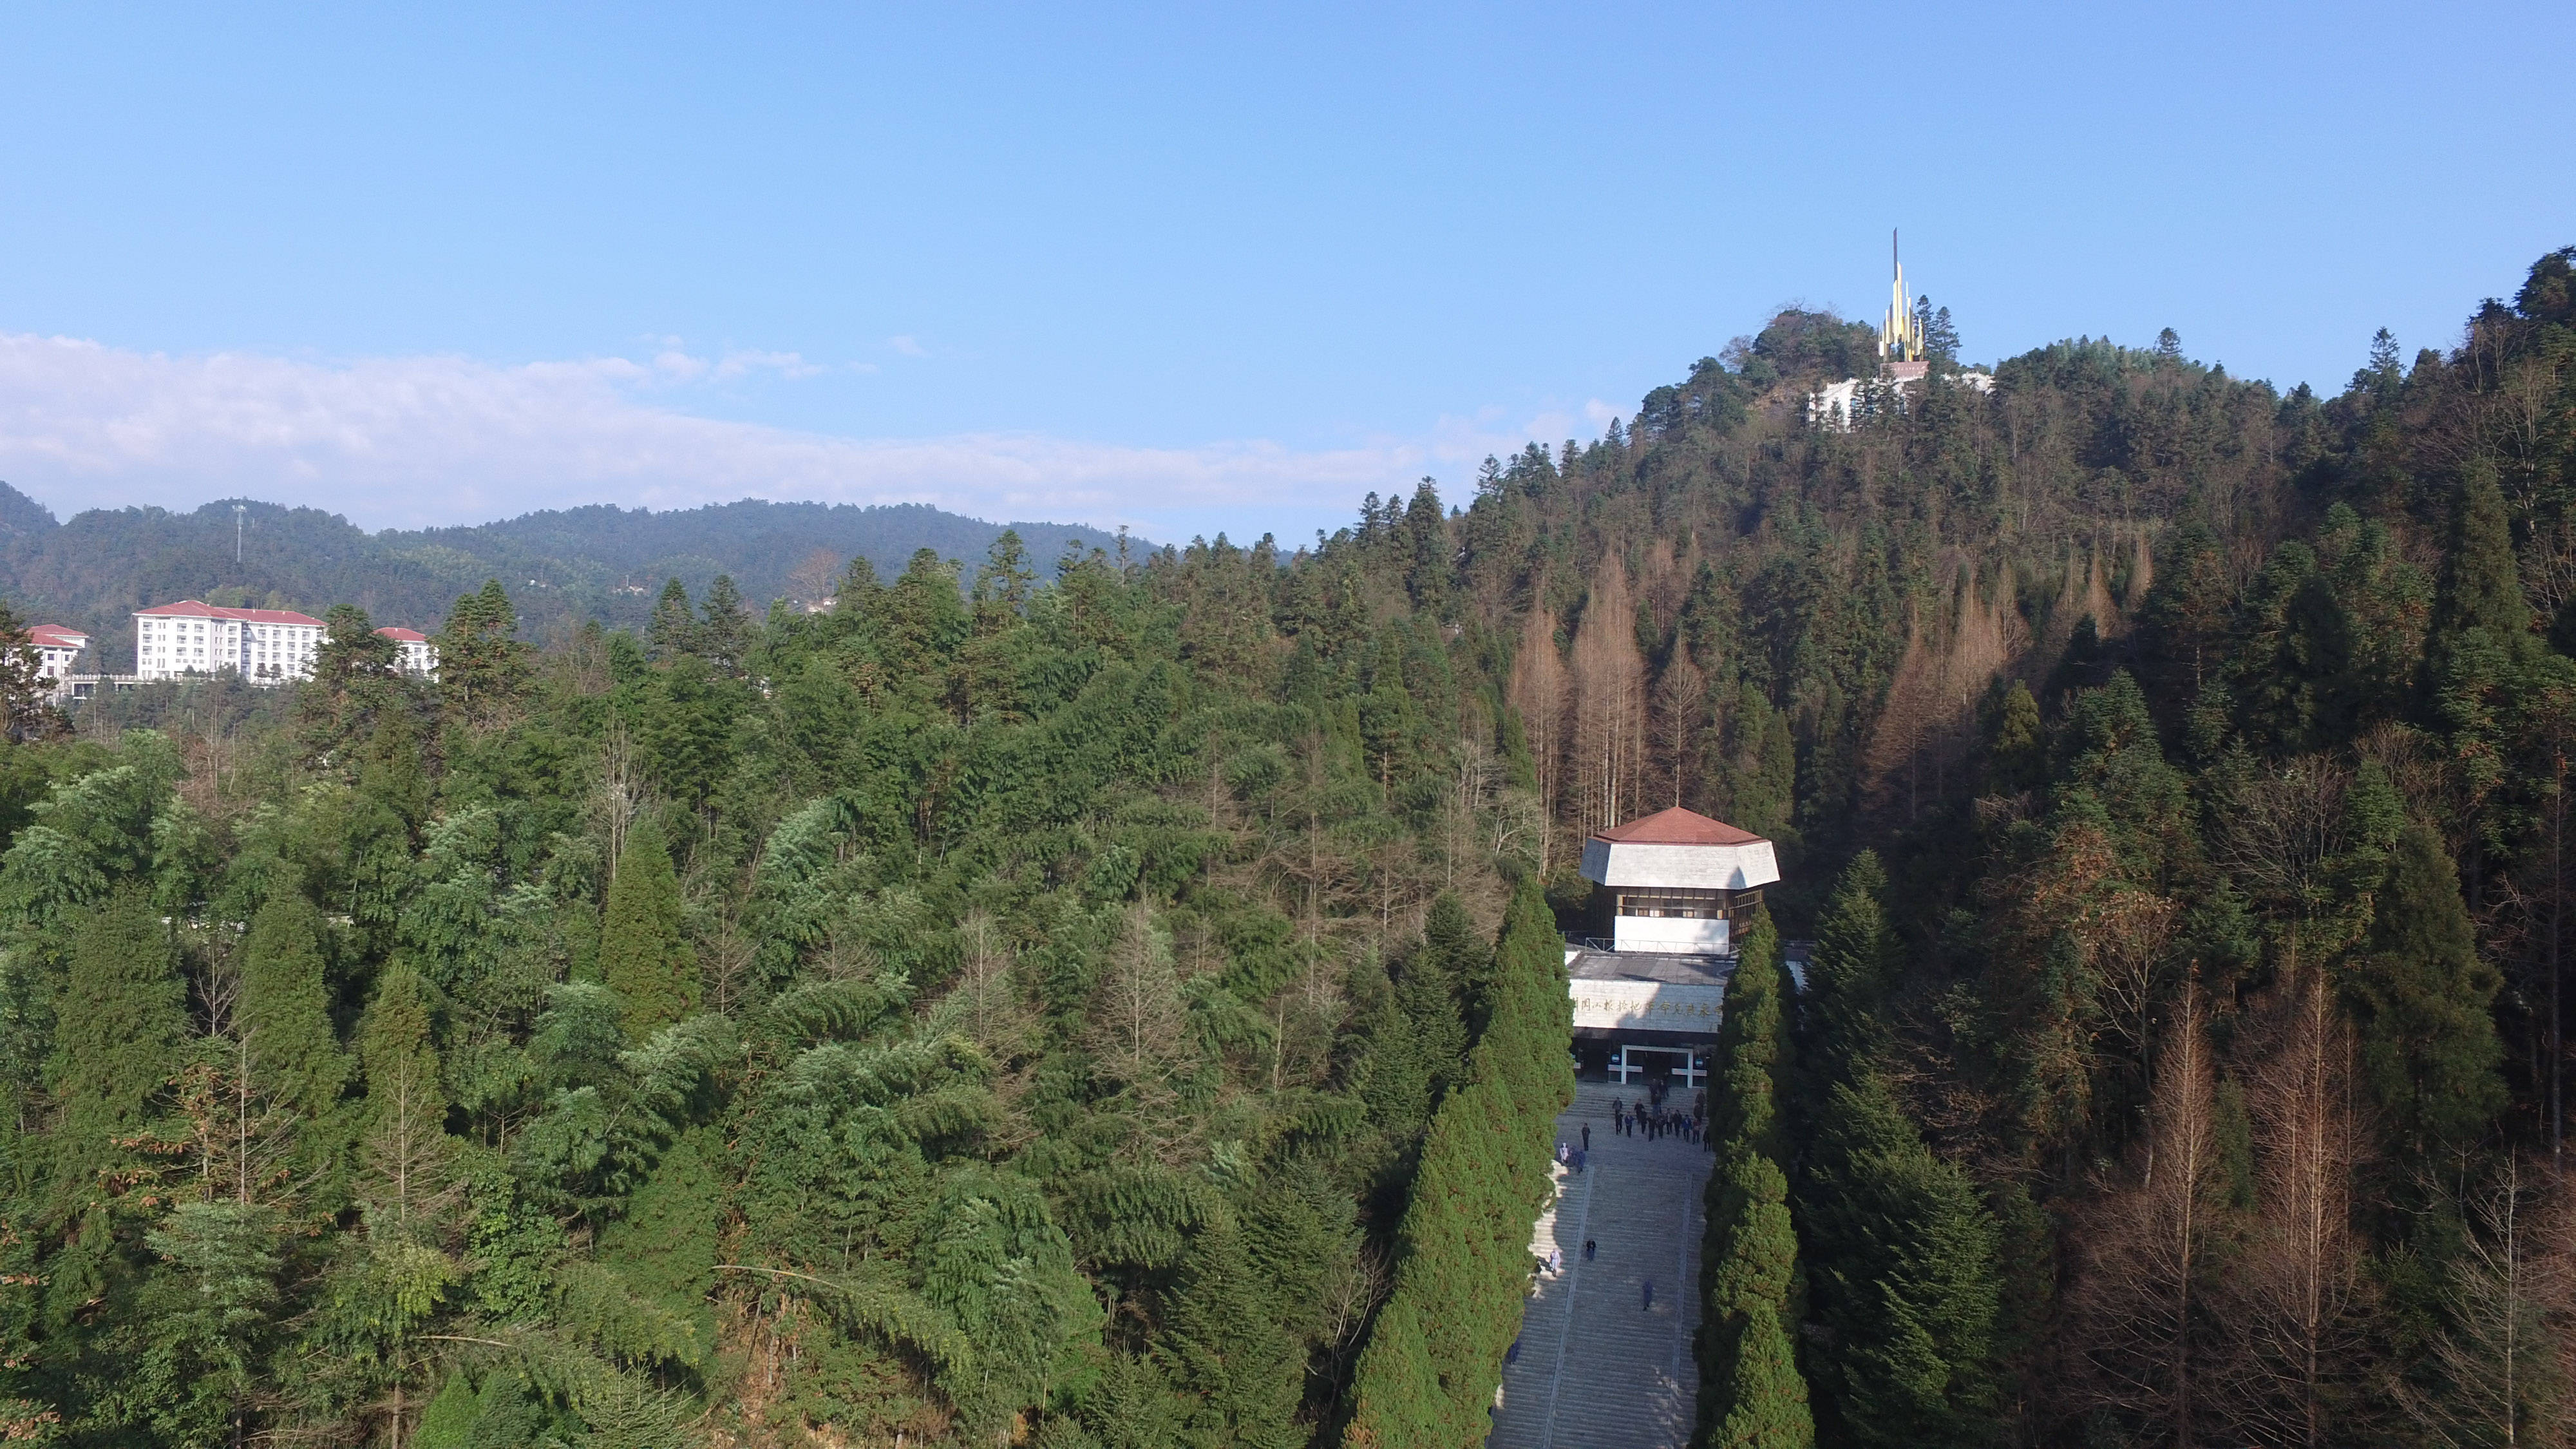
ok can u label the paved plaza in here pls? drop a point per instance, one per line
(1597, 1368)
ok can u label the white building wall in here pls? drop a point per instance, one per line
(174, 646)
(1645, 1006)
(1672, 935)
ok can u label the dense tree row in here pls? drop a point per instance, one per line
(1435, 1356)
(1751, 1392)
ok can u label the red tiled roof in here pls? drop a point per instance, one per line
(55, 636)
(197, 609)
(1677, 827)
(404, 636)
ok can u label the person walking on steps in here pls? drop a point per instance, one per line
(1587, 1136)
(1650, 1295)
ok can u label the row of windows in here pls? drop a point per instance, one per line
(1689, 905)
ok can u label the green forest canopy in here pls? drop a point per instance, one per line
(1022, 1007)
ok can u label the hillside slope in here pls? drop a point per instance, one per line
(601, 562)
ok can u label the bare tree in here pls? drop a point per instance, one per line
(2297, 1295)
(1538, 692)
(812, 580)
(1609, 701)
(991, 1004)
(2128, 934)
(2137, 1321)
(1462, 806)
(1928, 722)
(1681, 699)
(2503, 1357)
(1139, 1025)
(621, 788)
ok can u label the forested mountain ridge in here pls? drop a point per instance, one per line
(1112, 1009)
(563, 566)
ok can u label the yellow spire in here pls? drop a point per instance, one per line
(1900, 338)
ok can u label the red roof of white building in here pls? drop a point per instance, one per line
(196, 609)
(404, 636)
(1677, 827)
(55, 636)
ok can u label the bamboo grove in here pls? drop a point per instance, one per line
(1112, 1001)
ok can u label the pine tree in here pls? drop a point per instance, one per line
(120, 1022)
(1450, 936)
(1428, 561)
(1426, 992)
(407, 1150)
(2429, 1050)
(2481, 586)
(644, 953)
(1005, 580)
(482, 667)
(674, 629)
(1905, 1266)
(284, 1019)
(357, 675)
(25, 696)
(1853, 967)
(725, 635)
(1753, 1060)
(1753, 1388)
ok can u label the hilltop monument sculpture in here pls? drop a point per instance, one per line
(1902, 363)
(1900, 337)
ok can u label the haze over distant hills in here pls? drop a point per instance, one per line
(602, 561)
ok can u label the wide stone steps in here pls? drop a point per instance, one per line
(1597, 1368)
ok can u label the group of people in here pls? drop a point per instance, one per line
(1652, 1119)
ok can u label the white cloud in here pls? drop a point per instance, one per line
(416, 441)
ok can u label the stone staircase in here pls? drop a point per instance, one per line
(1596, 1367)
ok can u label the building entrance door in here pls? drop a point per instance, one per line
(1686, 1065)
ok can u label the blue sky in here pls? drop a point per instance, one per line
(1185, 267)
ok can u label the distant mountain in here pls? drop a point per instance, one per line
(601, 562)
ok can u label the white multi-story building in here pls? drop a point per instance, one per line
(419, 656)
(264, 646)
(56, 647)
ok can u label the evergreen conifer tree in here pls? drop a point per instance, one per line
(119, 1025)
(2481, 585)
(1759, 1399)
(1753, 1060)
(1450, 936)
(407, 1151)
(1904, 1262)
(644, 953)
(674, 629)
(482, 666)
(1853, 967)
(1426, 991)
(284, 1017)
(725, 636)
(2429, 1049)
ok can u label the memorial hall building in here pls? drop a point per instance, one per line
(1648, 971)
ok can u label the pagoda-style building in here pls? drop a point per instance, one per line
(1648, 977)
(1675, 882)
